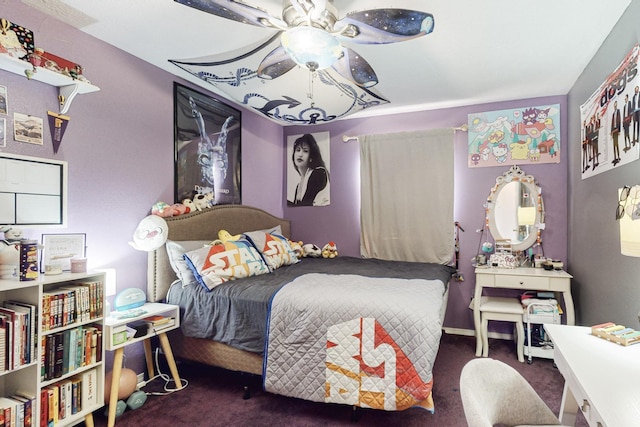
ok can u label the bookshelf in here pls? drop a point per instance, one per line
(116, 339)
(42, 370)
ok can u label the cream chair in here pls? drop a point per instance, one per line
(494, 393)
(505, 309)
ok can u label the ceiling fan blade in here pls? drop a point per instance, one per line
(275, 64)
(236, 11)
(380, 26)
(354, 67)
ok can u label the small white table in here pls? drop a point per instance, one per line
(111, 324)
(527, 279)
(602, 378)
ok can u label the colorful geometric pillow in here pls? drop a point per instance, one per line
(214, 265)
(274, 248)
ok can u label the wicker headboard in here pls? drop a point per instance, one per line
(204, 225)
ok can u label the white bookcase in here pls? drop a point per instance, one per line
(30, 378)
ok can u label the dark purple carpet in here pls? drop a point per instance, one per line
(214, 397)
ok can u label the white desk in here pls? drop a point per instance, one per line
(602, 378)
(526, 279)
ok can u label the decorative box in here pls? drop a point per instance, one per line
(504, 260)
(15, 39)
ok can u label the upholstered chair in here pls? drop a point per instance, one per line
(494, 393)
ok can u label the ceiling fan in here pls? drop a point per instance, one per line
(311, 34)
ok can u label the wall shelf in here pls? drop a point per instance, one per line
(68, 88)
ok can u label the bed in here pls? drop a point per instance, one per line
(312, 363)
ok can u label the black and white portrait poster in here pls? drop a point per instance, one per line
(207, 147)
(611, 120)
(308, 177)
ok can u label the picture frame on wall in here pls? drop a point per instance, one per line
(4, 101)
(60, 249)
(27, 128)
(3, 132)
(207, 147)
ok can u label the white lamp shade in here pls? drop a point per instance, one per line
(311, 47)
(630, 228)
(526, 215)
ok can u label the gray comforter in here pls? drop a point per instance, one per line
(355, 340)
(235, 313)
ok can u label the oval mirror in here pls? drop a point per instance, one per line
(514, 209)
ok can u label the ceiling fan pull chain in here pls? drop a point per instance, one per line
(312, 75)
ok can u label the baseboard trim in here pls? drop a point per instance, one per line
(472, 333)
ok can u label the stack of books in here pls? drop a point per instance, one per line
(157, 323)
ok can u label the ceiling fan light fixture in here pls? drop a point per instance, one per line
(311, 47)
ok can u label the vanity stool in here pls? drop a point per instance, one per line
(505, 309)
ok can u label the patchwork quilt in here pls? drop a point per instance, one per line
(349, 339)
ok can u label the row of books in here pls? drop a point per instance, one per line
(65, 305)
(68, 350)
(68, 397)
(17, 334)
(17, 410)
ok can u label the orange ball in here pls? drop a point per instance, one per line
(128, 383)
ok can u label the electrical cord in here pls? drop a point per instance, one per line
(167, 380)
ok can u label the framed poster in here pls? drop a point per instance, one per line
(59, 249)
(207, 137)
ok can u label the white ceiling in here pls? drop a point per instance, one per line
(479, 51)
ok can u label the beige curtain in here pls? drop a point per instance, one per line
(406, 211)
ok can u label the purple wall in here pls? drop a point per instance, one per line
(119, 145)
(340, 221)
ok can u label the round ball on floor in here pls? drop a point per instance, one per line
(128, 383)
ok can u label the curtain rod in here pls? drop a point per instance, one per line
(462, 128)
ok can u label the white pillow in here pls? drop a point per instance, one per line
(176, 250)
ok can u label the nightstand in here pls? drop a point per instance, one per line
(116, 339)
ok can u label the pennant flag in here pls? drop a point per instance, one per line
(57, 124)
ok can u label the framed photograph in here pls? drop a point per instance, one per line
(28, 128)
(4, 100)
(207, 137)
(59, 249)
(3, 132)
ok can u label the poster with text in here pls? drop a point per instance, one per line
(514, 137)
(610, 120)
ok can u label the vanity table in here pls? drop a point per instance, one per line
(525, 279)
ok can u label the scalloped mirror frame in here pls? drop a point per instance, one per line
(515, 174)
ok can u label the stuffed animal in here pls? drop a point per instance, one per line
(329, 250)
(203, 201)
(225, 236)
(180, 209)
(162, 209)
(189, 205)
(311, 250)
(296, 247)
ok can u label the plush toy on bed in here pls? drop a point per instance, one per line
(329, 250)
(297, 247)
(311, 250)
(225, 236)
